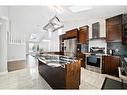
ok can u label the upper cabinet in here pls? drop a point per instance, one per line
(125, 29)
(83, 34)
(72, 33)
(114, 29)
(95, 30)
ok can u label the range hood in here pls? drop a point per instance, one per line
(96, 32)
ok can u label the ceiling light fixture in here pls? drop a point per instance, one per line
(53, 25)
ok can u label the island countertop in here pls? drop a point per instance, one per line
(55, 60)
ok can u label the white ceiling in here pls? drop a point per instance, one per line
(94, 13)
(31, 19)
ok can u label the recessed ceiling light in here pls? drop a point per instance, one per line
(79, 8)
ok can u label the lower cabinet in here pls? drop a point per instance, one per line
(67, 77)
(110, 65)
(82, 57)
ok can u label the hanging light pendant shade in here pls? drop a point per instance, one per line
(53, 25)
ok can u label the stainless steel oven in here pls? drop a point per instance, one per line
(93, 60)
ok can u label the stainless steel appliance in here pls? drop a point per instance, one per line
(70, 46)
(93, 60)
(100, 50)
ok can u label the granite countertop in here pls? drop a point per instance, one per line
(99, 54)
(55, 60)
(125, 58)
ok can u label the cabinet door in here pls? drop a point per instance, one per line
(114, 33)
(72, 33)
(82, 57)
(114, 65)
(83, 34)
(114, 29)
(106, 64)
(110, 65)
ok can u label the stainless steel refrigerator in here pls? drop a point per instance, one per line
(70, 46)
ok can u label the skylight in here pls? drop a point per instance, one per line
(79, 8)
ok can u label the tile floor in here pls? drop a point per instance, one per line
(23, 79)
(29, 78)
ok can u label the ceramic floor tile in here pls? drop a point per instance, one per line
(95, 80)
(87, 86)
(22, 79)
(29, 78)
(26, 79)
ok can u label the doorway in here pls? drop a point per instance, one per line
(33, 47)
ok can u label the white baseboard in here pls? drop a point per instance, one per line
(3, 73)
(15, 60)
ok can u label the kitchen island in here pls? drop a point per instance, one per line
(60, 72)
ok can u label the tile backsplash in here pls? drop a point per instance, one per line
(118, 48)
(98, 43)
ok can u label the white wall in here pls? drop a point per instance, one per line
(26, 20)
(3, 11)
(54, 41)
(3, 38)
(52, 44)
(16, 52)
(45, 45)
(16, 46)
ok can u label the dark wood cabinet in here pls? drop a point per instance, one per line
(73, 75)
(115, 63)
(124, 42)
(72, 33)
(59, 77)
(114, 29)
(83, 34)
(82, 57)
(110, 65)
(106, 64)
